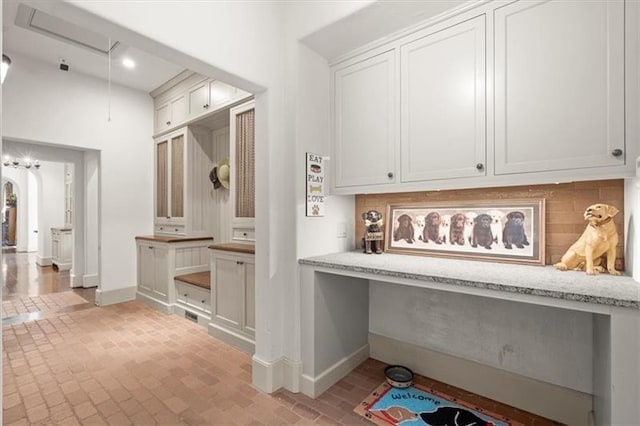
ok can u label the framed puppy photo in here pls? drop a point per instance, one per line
(499, 231)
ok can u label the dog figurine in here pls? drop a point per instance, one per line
(600, 237)
(373, 223)
(497, 218)
(405, 230)
(468, 225)
(456, 230)
(418, 228)
(445, 224)
(513, 233)
(482, 235)
(432, 228)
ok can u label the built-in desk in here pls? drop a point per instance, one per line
(335, 315)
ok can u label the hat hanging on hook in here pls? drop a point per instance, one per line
(220, 174)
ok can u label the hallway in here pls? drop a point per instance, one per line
(76, 363)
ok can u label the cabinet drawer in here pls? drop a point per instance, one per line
(193, 297)
(169, 229)
(243, 234)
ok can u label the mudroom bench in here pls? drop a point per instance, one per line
(193, 296)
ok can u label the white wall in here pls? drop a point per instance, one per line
(45, 105)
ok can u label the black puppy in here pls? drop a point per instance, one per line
(432, 228)
(405, 229)
(452, 416)
(482, 235)
(513, 232)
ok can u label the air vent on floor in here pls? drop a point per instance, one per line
(188, 315)
(43, 23)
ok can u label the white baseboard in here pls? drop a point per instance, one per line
(43, 261)
(76, 281)
(241, 342)
(156, 304)
(90, 280)
(269, 376)
(315, 386)
(119, 295)
(552, 401)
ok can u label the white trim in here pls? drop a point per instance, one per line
(43, 261)
(266, 375)
(119, 295)
(556, 402)
(76, 280)
(281, 373)
(315, 386)
(156, 304)
(90, 280)
(241, 342)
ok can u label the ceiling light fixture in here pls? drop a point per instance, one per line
(128, 63)
(26, 163)
(6, 62)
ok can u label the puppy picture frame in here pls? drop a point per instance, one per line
(510, 231)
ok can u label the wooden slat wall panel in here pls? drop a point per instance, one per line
(245, 164)
(177, 176)
(162, 205)
(565, 205)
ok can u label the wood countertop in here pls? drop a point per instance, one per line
(200, 279)
(167, 239)
(239, 248)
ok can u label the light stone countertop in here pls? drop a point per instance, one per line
(603, 289)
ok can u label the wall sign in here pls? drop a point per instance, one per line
(314, 175)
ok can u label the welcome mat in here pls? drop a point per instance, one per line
(419, 405)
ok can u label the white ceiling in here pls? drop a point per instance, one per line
(149, 73)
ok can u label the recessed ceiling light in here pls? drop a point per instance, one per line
(128, 63)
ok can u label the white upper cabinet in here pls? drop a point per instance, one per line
(559, 85)
(188, 97)
(198, 96)
(364, 121)
(502, 93)
(443, 128)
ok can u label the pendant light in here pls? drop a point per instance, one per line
(6, 62)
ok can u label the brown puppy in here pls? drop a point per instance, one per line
(599, 238)
(432, 228)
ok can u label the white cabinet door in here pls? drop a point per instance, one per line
(163, 117)
(220, 93)
(559, 85)
(364, 122)
(227, 292)
(146, 265)
(198, 99)
(443, 103)
(161, 272)
(178, 110)
(250, 297)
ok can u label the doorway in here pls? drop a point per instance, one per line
(9, 215)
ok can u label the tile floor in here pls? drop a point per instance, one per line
(128, 364)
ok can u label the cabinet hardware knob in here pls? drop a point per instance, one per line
(151, 247)
(176, 229)
(205, 106)
(185, 295)
(161, 228)
(616, 152)
(244, 234)
(202, 301)
(168, 217)
(168, 123)
(480, 166)
(390, 175)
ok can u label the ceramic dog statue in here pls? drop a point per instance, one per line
(600, 237)
(373, 232)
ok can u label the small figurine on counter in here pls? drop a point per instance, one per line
(600, 238)
(373, 235)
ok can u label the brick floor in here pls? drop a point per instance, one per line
(168, 373)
